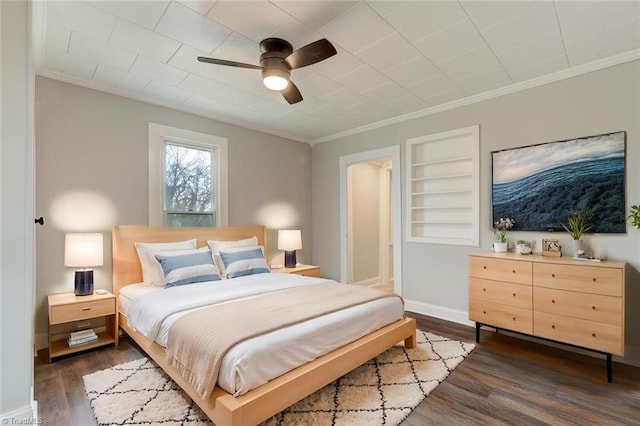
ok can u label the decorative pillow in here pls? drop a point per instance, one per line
(240, 262)
(216, 246)
(151, 270)
(181, 269)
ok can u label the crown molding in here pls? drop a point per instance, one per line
(610, 61)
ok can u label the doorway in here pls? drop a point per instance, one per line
(370, 219)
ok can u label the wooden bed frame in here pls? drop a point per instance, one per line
(269, 399)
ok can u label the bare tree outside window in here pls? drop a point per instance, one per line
(189, 186)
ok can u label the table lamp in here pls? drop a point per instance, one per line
(83, 251)
(289, 240)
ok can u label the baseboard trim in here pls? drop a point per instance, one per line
(27, 415)
(453, 315)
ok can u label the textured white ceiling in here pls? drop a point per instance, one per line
(396, 59)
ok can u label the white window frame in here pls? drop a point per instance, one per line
(158, 136)
(464, 218)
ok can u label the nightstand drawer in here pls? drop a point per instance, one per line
(315, 272)
(83, 310)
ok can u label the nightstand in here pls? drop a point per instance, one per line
(306, 270)
(66, 308)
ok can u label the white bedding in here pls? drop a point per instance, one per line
(258, 360)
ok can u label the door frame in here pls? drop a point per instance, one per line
(393, 153)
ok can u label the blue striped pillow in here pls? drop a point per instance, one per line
(244, 262)
(188, 268)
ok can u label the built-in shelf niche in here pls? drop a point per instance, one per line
(443, 185)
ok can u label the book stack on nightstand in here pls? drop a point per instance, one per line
(83, 337)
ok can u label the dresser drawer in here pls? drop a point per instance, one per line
(83, 310)
(503, 316)
(592, 307)
(588, 334)
(517, 295)
(588, 279)
(512, 271)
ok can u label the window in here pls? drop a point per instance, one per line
(187, 178)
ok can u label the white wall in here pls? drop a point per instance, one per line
(365, 220)
(435, 276)
(91, 174)
(16, 214)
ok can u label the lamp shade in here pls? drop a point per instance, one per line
(83, 250)
(289, 239)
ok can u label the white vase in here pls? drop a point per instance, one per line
(500, 247)
(577, 247)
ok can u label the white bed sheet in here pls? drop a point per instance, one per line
(256, 361)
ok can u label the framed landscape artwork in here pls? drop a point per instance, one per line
(539, 185)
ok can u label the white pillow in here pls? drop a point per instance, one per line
(151, 269)
(216, 246)
(188, 266)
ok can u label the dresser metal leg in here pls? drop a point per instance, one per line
(609, 369)
(478, 325)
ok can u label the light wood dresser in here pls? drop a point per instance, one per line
(579, 303)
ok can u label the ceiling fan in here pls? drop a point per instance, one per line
(278, 59)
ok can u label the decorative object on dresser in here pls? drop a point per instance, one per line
(524, 247)
(83, 250)
(289, 240)
(556, 299)
(634, 215)
(306, 270)
(551, 247)
(66, 309)
(578, 222)
(501, 226)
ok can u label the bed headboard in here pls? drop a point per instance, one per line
(126, 266)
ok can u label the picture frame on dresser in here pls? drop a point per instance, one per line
(551, 247)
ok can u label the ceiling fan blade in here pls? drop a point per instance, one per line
(311, 53)
(228, 63)
(291, 93)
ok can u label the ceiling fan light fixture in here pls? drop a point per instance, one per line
(275, 79)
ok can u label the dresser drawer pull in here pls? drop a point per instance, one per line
(553, 275)
(553, 301)
(593, 307)
(514, 295)
(484, 289)
(484, 267)
(553, 326)
(88, 308)
(593, 334)
(514, 318)
(594, 280)
(484, 312)
(514, 271)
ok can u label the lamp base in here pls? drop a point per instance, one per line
(84, 283)
(290, 259)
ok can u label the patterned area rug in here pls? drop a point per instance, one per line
(383, 391)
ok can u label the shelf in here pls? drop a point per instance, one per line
(465, 175)
(444, 160)
(441, 222)
(441, 208)
(451, 191)
(61, 347)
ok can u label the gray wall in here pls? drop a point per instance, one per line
(435, 276)
(92, 173)
(16, 209)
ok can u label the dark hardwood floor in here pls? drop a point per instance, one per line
(506, 380)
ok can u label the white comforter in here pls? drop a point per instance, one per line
(258, 360)
(146, 314)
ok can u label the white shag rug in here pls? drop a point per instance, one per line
(383, 391)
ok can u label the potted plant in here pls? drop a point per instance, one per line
(578, 222)
(634, 215)
(501, 226)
